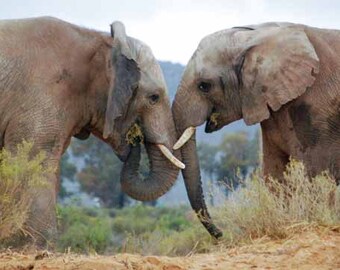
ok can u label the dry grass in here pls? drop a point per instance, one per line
(252, 213)
(20, 175)
(278, 210)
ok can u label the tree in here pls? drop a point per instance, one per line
(254, 150)
(207, 154)
(100, 175)
(101, 172)
(235, 157)
(238, 157)
(67, 171)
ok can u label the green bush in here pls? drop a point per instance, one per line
(155, 230)
(20, 176)
(147, 218)
(83, 230)
(137, 229)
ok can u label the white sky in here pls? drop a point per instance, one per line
(173, 28)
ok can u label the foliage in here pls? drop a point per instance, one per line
(149, 218)
(259, 208)
(236, 159)
(21, 175)
(140, 228)
(101, 172)
(100, 175)
(207, 154)
(67, 171)
(233, 159)
(160, 231)
(83, 230)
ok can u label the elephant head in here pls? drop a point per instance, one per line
(137, 94)
(244, 72)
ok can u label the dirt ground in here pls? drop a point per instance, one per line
(317, 249)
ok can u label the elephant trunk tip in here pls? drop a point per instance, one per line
(215, 232)
(212, 229)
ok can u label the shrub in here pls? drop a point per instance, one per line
(277, 209)
(154, 230)
(136, 229)
(20, 176)
(83, 230)
(147, 218)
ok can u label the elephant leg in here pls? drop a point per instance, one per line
(274, 159)
(41, 225)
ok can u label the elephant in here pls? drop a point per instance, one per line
(284, 76)
(59, 80)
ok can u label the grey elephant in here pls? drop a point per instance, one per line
(58, 80)
(284, 76)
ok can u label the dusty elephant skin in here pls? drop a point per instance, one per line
(58, 80)
(284, 76)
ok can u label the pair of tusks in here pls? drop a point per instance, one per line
(181, 141)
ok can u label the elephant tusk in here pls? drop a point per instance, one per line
(184, 138)
(167, 153)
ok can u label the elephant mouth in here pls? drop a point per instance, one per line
(135, 136)
(212, 123)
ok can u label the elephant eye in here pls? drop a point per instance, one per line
(153, 99)
(204, 87)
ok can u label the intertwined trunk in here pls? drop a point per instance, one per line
(161, 178)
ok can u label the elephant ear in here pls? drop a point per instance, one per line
(278, 66)
(125, 79)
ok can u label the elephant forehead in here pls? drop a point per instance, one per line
(217, 48)
(152, 79)
(151, 72)
(207, 65)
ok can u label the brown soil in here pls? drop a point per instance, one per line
(307, 250)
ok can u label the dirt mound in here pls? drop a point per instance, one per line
(308, 250)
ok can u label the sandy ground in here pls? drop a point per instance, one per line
(308, 250)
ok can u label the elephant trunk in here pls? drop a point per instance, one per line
(161, 177)
(193, 184)
(186, 119)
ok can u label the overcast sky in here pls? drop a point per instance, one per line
(173, 28)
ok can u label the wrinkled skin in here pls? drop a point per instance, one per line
(58, 80)
(284, 76)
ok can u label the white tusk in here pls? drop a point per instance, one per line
(166, 152)
(184, 138)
